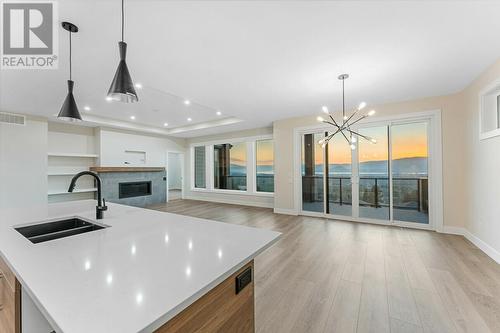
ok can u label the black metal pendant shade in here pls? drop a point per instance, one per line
(69, 110)
(122, 88)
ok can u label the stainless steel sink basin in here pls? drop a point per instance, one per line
(43, 232)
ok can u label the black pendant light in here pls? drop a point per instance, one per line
(122, 88)
(69, 110)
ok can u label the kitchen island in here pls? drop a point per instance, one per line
(146, 271)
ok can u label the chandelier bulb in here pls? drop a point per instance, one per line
(353, 146)
(361, 106)
(372, 140)
(325, 109)
(319, 118)
(353, 139)
(371, 113)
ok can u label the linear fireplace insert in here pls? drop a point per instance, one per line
(134, 189)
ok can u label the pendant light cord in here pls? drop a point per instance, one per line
(343, 101)
(70, 55)
(123, 19)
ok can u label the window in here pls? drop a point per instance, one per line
(230, 166)
(489, 122)
(199, 167)
(264, 152)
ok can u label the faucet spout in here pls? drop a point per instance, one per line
(101, 203)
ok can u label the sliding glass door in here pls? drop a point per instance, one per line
(385, 182)
(339, 182)
(312, 172)
(374, 196)
(410, 176)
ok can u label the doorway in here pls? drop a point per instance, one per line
(175, 175)
(387, 183)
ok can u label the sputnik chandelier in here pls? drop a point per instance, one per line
(344, 127)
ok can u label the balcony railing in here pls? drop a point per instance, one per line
(408, 192)
(265, 183)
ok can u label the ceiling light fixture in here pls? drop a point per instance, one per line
(344, 127)
(189, 119)
(122, 87)
(109, 99)
(132, 117)
(69, 110)
(187, 102)
(165, 124)
(87, 108)
(218, 113)
(138, 86)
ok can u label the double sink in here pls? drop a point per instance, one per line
(43, 232)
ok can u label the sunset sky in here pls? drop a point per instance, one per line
(408, 140)
(265, 152)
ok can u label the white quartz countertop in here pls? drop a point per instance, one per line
(131, 277)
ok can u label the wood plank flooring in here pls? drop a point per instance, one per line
(333, 276)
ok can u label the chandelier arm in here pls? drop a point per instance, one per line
(361, 135)
(352, 115)
(329, 137)
(333, 119)
(345, 137)
(360, 118)
(330, 123)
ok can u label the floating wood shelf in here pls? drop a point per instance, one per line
(127, 169)
(81, 190)
(72, 155)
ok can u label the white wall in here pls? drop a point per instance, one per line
(482, 180)
(174, 171)
(23, 165)
(113, 145)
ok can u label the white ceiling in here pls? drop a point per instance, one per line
(258, 61)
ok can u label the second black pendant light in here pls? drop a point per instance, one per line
(122, 88)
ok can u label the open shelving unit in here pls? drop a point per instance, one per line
(71, 150)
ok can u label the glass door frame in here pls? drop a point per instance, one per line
(434, 143)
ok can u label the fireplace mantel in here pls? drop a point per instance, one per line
(127, 169)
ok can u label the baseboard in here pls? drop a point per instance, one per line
(285, 211)
(454, 230)
(483, 246)
(231, 202)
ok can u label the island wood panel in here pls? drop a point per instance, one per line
(10, 301)
(220, 310)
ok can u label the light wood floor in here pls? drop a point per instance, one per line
(334, 276)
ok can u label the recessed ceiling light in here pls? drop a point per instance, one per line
(138, 85)
(218, 113)
(165, 124)
(189, 119)
(109, 99)
(87, 108)
(132, 117)
(187, 102)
